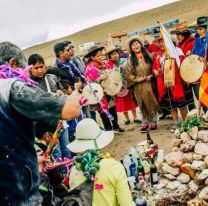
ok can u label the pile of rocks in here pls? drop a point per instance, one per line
(185, 170)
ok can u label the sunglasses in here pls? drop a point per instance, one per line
(71, 47)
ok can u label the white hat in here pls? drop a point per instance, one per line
(89, 136)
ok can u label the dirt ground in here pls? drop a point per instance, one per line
(122, 142)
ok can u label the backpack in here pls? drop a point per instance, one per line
(81, 195)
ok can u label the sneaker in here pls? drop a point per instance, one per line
(119, 130)
(138, 121)
(127, 122)
(173, 128)
(144, 128)
(153, 127)
(163, 116)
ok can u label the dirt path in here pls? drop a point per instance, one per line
(121, 143)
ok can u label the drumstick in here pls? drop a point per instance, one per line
(100, 103)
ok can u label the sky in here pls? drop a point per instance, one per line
(30, 22)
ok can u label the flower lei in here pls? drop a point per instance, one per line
(89, 163)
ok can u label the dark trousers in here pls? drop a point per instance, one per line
(107, 123)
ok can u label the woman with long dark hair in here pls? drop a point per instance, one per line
(139, 74)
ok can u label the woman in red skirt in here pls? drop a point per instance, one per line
(124, 100)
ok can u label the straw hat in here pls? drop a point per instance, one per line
(182, 28)
(89, 136)
(93, 49)
(136, 38)
(112, 49)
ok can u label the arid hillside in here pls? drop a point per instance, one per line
(184, 10)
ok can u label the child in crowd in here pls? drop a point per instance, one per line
(72, 123)
(51, 187)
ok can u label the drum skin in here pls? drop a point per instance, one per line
(90, 89)
(113, 83)
(192, 68)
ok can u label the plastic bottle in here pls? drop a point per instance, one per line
(132, 166)
(140, 200)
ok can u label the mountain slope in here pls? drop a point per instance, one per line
(184, 10)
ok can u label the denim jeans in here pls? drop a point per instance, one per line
(93, 115)
(86, 111)
(153, 120)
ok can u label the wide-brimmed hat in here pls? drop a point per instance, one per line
(182, 28)
(92, 50)
(202, 21)
(134, 38)
(112, 49)
(89, 136)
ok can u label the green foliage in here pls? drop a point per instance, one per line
(189, 123)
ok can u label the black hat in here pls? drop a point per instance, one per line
(92, 50)
(202, 21)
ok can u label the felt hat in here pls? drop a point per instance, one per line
(92, 50)
(202, 21)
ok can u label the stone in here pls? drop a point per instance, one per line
(185, 137)
(174, 159)
(205, 117)
(170, 177)
(206, 181)
(176, 142)
(197, 156)
(177, 133)
(173, 185)
(203, 175)
(197, 180)
(203, 136)
(201, 148)
(188, 157)
(198, 165)
(175, 149)
(196, 202)
(206, 160)
(175, 171)
(194, 132)
(183, 178)
(182, 189)
(188, 147)
(186, 168)
(192, 113)
(193, 187)
(204, 194)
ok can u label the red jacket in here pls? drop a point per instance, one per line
(187, 45)
(177, 90)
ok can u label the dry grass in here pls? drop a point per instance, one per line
(184, 10)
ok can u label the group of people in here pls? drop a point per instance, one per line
(34, 99)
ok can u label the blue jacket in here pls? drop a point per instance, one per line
(199, 47)
(19, 178)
